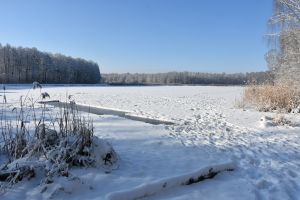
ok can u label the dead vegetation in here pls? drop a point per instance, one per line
(280, 120)
(39, 140)
(275, 121)
(279, 97)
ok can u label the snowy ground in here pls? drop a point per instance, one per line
(208, 130)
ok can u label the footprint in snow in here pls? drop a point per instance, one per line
(263, 184)
(292, 174)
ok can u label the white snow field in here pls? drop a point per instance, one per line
(208, 132)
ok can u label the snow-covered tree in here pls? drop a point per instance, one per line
(284, 57)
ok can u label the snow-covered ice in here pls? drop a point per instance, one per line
(208, 130)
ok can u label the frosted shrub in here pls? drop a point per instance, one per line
(53, 146)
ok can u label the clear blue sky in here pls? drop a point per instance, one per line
(144, 35)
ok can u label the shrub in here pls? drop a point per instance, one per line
(57, 141)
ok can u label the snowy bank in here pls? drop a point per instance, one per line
(110, 111)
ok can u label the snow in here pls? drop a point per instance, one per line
(208, 130)
(152, 188)
(107, 111)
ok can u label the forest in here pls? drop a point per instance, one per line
(26, 65)
(187, 78)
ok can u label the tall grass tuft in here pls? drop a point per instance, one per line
(280, 97)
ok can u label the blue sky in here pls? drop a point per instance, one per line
(144, 35)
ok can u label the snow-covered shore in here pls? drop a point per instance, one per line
(209, 130)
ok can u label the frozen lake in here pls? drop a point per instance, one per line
(208, 129)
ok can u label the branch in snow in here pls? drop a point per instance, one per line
(155, 187)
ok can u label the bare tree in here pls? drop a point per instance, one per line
(25, 65)
(179, 78)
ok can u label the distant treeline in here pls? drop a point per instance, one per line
(188, 78)
(26, 65)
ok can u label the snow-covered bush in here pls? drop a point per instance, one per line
(278, 120)
(54, 144)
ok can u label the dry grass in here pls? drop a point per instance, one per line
(280, 97)
(56, 142)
